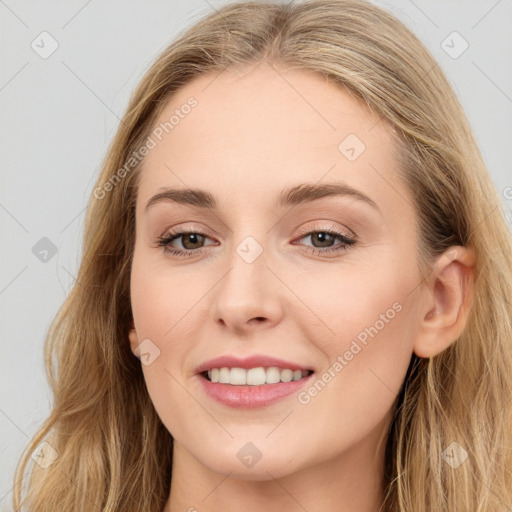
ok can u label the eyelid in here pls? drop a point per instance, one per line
(324, 227)
(347, 241)
(187, 228)
(303, 230)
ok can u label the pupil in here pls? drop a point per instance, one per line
(324, 236)
(193, 236)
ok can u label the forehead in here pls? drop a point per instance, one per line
(267, 127)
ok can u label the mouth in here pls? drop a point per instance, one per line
(258, 376)
(253, 387)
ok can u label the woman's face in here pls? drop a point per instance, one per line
(322, 282)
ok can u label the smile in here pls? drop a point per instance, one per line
(254, 376)
(256, 391)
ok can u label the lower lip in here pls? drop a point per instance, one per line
(249, 397)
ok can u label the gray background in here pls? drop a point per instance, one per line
(60, 113)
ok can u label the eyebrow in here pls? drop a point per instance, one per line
(299, 194)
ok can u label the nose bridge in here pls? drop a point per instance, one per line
(246, 291)
(249, 245)
(246, 279)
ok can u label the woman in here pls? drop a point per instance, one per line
(295, 288)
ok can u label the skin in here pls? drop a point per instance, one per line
(252, 134)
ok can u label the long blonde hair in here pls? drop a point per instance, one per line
(114, 453)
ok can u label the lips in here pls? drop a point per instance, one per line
(239, 395)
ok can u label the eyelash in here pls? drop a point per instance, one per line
(165, 241)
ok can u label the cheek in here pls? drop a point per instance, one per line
(353, 301)
(365, 330)
(159, 299)
(164, 313)
(365, 364)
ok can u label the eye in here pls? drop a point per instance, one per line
(192, 241)
(325, 238)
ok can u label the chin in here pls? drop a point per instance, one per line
(263, 470)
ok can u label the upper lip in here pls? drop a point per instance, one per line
(253, 361)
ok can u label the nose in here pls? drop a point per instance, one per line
(249, 296)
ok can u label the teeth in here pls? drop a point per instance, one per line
(273, 375)
(224, 375)
(286, 375)
(238, 376)
(255, 376)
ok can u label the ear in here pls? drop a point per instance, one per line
(134, 339)
(450, 294)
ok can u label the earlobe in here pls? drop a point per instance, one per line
(449, 301)
(132, 336)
